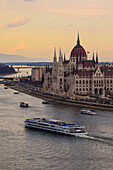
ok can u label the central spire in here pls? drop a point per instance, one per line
(78, 40)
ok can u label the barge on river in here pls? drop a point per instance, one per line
(55, 126)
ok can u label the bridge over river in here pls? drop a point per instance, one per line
(21, 67)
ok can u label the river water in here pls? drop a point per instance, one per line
(28, 149)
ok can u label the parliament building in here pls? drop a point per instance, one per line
(78, 75)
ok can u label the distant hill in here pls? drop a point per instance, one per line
(17, 58)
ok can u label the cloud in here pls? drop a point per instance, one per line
(51, 47)
(104, 48)
(20, 47)
(17, 22)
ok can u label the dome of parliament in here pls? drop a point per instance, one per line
(78, 50)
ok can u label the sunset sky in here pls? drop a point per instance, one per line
(32, 28)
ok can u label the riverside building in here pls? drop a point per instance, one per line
(37, 73)
(78, 75)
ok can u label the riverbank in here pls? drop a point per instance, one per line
(63, 100)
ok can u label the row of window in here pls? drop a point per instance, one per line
(95, 81)
(83, 85)
(109, 89)
(80, 89)
(108, 76)
(101, 81)
(96, 85)
(83, 81)
(98, 81)
(108, 81)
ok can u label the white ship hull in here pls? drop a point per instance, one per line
(76, 131)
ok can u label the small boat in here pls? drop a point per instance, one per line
(23, 104)
(16, 92)
(45, 102)
(5, 87)
(55, 126)
(88, 112)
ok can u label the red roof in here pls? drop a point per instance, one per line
(106, 68)
(107, 73)
(78, 50)
(89, 63)
(84, 73)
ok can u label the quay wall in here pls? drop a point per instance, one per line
(64, 101)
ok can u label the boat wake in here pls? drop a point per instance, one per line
(97, 138)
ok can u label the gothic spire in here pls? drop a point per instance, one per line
(78, 40)
(60, 55)
(93, 56)
(55, 58)
(96, 58)
(60, 52)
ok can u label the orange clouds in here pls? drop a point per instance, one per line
(51, 47)
(19, 22)
(20, 47)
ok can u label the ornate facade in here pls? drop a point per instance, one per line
(78, 75)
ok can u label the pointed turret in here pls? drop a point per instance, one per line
(93, 56)
(78, 40)
(55, 58)
(96, 58)
(60, 56)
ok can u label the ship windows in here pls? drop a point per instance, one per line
(52, 126)
(43, 124)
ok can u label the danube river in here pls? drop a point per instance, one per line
(28, 149)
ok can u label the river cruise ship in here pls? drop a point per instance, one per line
(55, 126)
